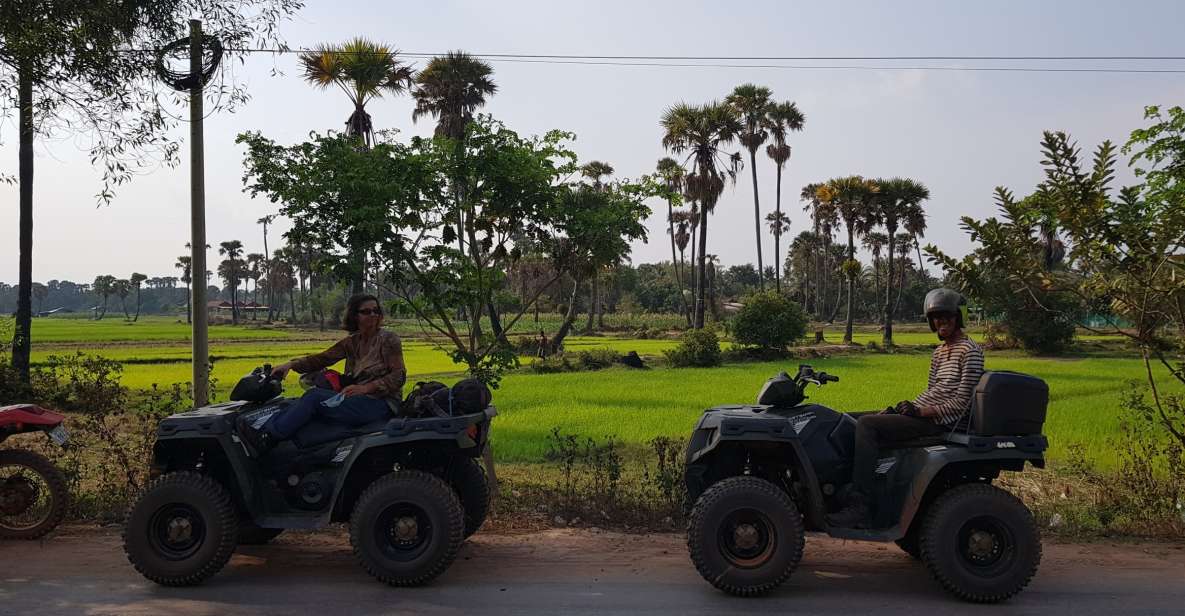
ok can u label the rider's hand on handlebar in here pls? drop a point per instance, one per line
(281, 371)
(907, 408)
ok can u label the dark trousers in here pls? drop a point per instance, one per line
(874, 432)
(353, 411)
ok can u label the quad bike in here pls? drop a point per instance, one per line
(410, 489)
(761, 475)
(33, 494)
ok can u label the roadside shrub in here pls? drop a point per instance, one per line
(596, 359)
(769, 320)
(1045, 331)
(697, 348)
(591, 359)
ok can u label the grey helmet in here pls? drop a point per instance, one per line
(948, 301)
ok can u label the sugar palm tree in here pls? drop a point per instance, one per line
(231, 271)
(595, 171)
(271, 294)
(783, 118)
(671, 173)
(779, 224)
(136, 280)
(451, 88)
(900, 204)
(854, 199)
(752, 105)
(364, 70)
(875, 242)
(255, 264)
(184, 263)
(823, 221)
(703, 132)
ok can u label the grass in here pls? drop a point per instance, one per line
(634, 406)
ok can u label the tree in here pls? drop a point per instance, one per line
(671, 173)
(854, 199)
(271, 295)
(900, 204)
(769, 321)
(254, 270)
(69, 69)
(103, 286)
(875, 243)
(135, 281)
(40, 292)
(231, 272)
(783, 118)
(824, 219)
(122, 288)
(185, 264)
(451, 89)
(364, 70)
(752, 105)
(703, 132)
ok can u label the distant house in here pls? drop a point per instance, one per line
(224, 308)
(46, 313)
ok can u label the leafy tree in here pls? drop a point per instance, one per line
(769, 321)
(752, 105)
(68, 67)
(703, 132)
(854, 199)
(135, 281)
(783, 118)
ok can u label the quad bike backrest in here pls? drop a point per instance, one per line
(1008, 404)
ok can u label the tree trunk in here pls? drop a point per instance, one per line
(887, 339)
(188, 306)
(847, 330)
(701, 278)
(778, 235)
(676, 264)
(592, 300)
(271, 283)
(21, 338)
(358, 279)
(137, 317)
(496, 322)
(569, 320)
(292, 303)
(757, 219)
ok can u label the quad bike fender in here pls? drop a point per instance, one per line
(223, 457)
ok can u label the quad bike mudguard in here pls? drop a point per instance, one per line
(300, 483)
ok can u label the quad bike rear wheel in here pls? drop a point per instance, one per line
(407, 528)
(468, 478)
(981, 543)
(33, 495)
(745, 535)
(182, 530)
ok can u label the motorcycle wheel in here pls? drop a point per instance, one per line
(33, 495)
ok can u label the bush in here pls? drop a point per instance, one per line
(769, 321)
(592, 359)
(1047, 330)
(698, 347)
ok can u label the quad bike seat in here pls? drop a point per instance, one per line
(1005, 407)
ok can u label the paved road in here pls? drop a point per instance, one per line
(82, 571)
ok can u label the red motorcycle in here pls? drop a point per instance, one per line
(33, 494)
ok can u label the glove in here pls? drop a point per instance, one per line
(889, 410)
(907, 408)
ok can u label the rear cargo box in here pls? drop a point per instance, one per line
(1009, 403)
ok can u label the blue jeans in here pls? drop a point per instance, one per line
(353, 411)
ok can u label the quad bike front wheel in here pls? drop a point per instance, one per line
(182, 530)
(468, 479)
(981, 543)
(407, 528)
(745, 536)
(33, 495)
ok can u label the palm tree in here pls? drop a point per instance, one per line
(900, 204)
(136, 280)
(752, 105)
(595, 170)
(854, 199)
(671, 174)
(103, 286)
(231, 271)
(783, 118)
(779, 223)
(364, 70)
(122, 288)
(823, 221)
(703, 132)
(255, 266)
(271, 294)
(185, 264)
(875, 243)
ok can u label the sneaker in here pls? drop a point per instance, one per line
(258, 441)
(852, 516)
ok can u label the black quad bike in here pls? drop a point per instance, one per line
(760, 475)
(410, 489)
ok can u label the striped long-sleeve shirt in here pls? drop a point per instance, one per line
(955, 369)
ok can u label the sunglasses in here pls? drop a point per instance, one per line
(369, 311)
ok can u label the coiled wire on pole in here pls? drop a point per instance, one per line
(185, 80)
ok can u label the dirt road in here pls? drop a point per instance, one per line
(83, 571)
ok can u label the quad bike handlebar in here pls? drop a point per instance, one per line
(807, 374)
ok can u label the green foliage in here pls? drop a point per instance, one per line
(769, 320)
(699, 348)
(589, 359)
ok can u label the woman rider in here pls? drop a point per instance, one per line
(374, 370)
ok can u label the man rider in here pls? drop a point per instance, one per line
(955, 369)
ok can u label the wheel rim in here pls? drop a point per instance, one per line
(403, 531)
(26, 500)
(747, 538)
(177, 531)
(986, 546)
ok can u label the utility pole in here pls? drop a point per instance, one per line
(197, 189)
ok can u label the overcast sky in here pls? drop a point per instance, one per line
(961, 133)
